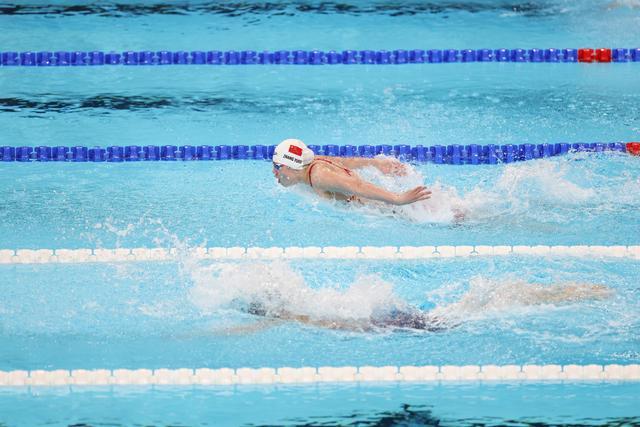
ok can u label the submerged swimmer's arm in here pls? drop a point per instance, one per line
(385, 165)
(564, 292)
(328, 180)
(249, 328)
(336, 324)
(530, 294)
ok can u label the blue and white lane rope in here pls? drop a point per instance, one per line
(439, 154)
(52, 256)
(318, 57)
(326, 374)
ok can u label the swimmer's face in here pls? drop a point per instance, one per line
(283, 175)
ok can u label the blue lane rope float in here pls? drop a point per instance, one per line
(316, 57)
(441, 154)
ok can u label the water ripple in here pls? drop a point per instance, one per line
(112, 103)
(238, 9)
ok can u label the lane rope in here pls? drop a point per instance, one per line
(457, 154)
(52, 256)
(317, 57)
(326, 374)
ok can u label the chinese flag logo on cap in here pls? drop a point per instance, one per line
(294, 149)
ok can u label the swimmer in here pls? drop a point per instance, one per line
(409, 318)
(335, 178)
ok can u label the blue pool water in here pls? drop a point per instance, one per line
(187, 313)
(330, 405)
(583, 198)
(171, 315)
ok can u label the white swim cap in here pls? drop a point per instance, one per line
(293, 153)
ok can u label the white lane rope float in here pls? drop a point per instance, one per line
(47, 256)
(345, 374)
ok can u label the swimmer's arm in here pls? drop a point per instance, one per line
(354, 326)
(385, 165)
(564, 292)
(248, 328)
(328, 180)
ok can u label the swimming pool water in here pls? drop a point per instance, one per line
(322, 25)
(168, 315)
(485, 103)
(585, 198)
(328, 405)
(185, 313)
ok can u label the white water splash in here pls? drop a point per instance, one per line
(444, 205)
(522, 188)
(278, 288)
(543, 180)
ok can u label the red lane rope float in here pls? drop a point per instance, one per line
(585, 55)
(633, 148)
(603, 55)
(594, 55)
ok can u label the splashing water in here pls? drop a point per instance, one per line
(278, 288)
(443, 206)
(547, 177)
(522, 188)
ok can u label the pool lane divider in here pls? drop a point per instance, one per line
(317, 57)
(71, 256)
(326, 374)
(439, 154)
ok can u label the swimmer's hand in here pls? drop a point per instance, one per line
(412, 196)
(391, 167)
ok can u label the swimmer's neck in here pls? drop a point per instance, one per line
(303, 176)
(297, 176)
